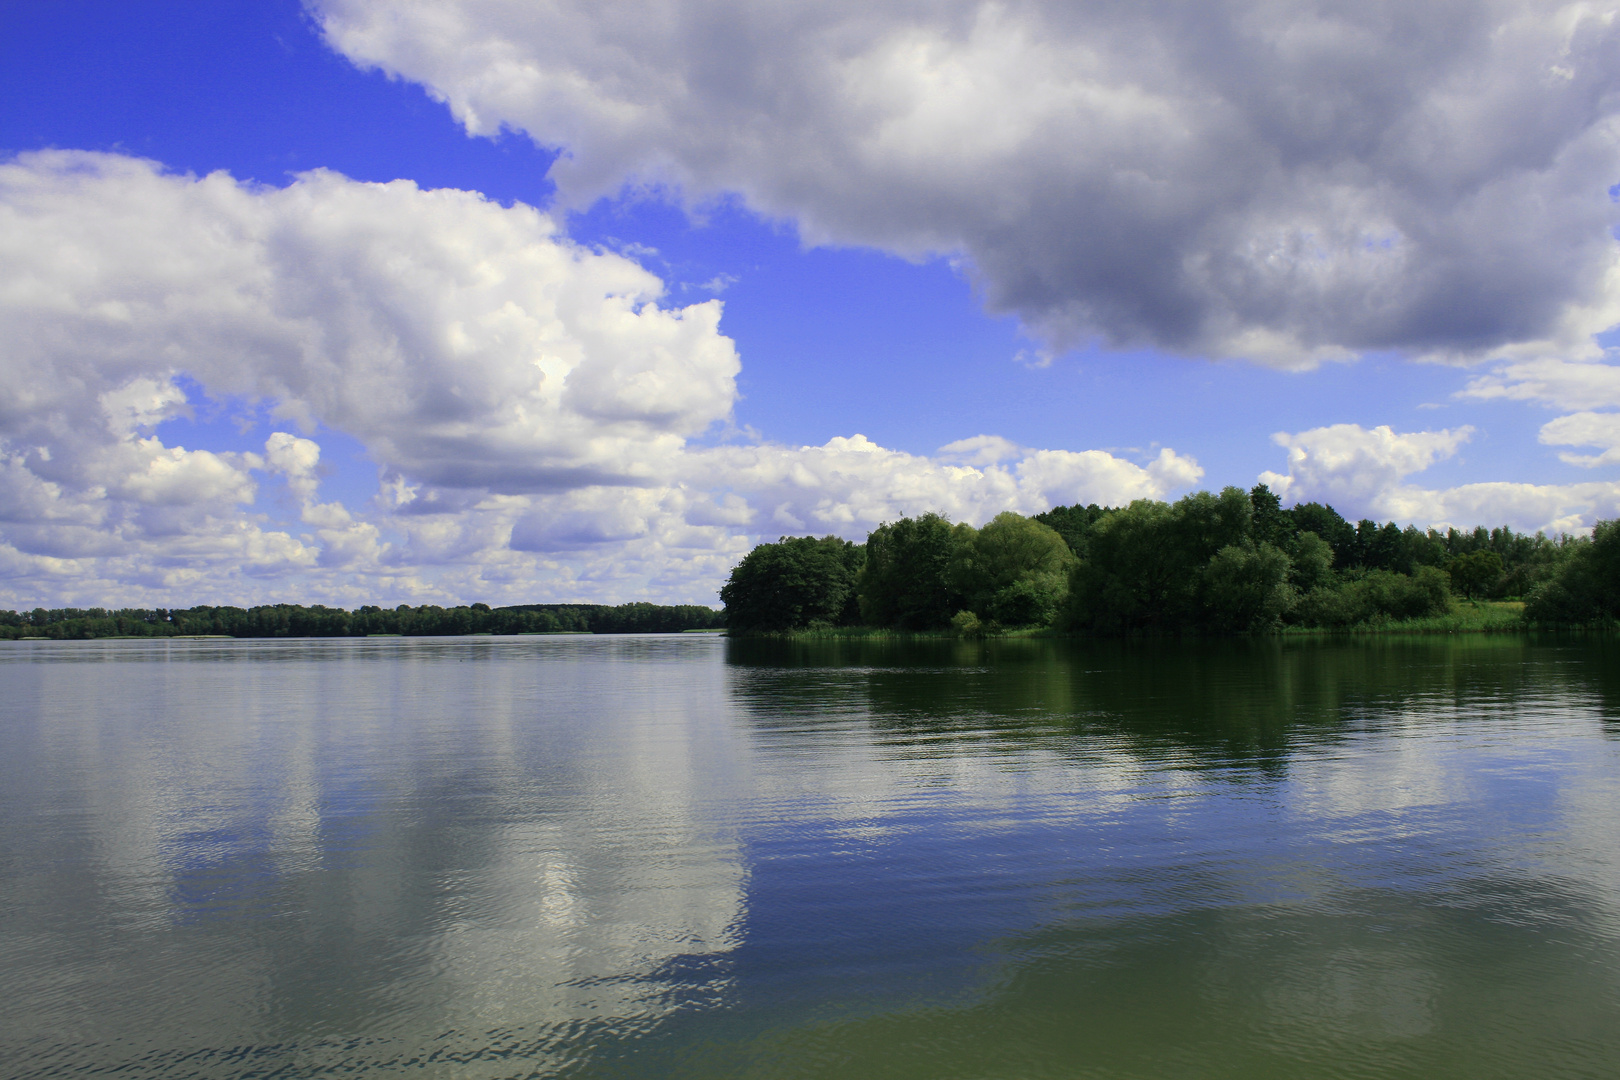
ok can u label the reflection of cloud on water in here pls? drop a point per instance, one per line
(571, 913)
(1590, 803)
(1532, 794)
(483, 853)
(295, 824)
(300, 840)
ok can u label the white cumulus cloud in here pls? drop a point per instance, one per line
(1363, 471)
(1355, 464)
(530, 405)
(1586, 429)
(1284, 180)
(1560, 382)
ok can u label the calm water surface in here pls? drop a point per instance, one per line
(687, 857)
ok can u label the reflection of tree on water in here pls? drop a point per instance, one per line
(1428, 892)
(1216, 701)
(1399, 987)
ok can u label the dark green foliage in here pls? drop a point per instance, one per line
(1235, 563)
(294, 620)
(906, 581)
(1423, 548)
(84, 623)
(1474, 572)
(1272, 524)
(1206, 523)
(1584, 589)
(1313, 562)
(1526, 560)
(1134, 578)
(1229, 563)
(644, 618)
(1371, 546)
(792, 584)
(1073, 524)
(1013, 572)
(1325, 522)
(1145, 572)
(1246, 588)
(1377, 596)
(1379, 548)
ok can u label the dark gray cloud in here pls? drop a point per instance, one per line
(1264, 178)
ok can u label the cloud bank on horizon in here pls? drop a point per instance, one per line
(1282, 183)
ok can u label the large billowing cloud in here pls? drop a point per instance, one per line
(463, 342)
(1284, 180)
(1362, 471)
(529, 404)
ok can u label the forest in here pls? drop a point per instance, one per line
(296, 620)
(1232, 562)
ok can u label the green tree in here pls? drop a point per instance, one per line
(1312, 559)
(794, 583)
(1207, 522)
(1475, 572)
(1014, 571)
(1144, 570)
(1384, 548)
(906, 583)
(1584, 589)
(1246, 588)
(1074, 524)
(1325, 522)
(1130, 578)
(1272, 524)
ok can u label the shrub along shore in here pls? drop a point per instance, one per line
(295, 620)
(1229, 563)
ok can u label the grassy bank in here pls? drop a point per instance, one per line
(1465, 617)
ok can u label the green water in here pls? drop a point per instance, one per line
(686, 856)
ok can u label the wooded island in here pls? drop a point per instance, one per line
(1227, 563)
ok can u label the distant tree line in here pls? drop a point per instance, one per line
(296, 620)
(1232, 562)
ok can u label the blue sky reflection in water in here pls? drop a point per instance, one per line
(684, 856)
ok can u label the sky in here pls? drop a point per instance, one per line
(399, 301)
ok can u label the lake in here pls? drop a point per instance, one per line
(688, 856)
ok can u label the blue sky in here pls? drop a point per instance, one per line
(921, 230)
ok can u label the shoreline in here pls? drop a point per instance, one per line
(1468, 617)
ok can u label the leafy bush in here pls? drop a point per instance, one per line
(1377, 596)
